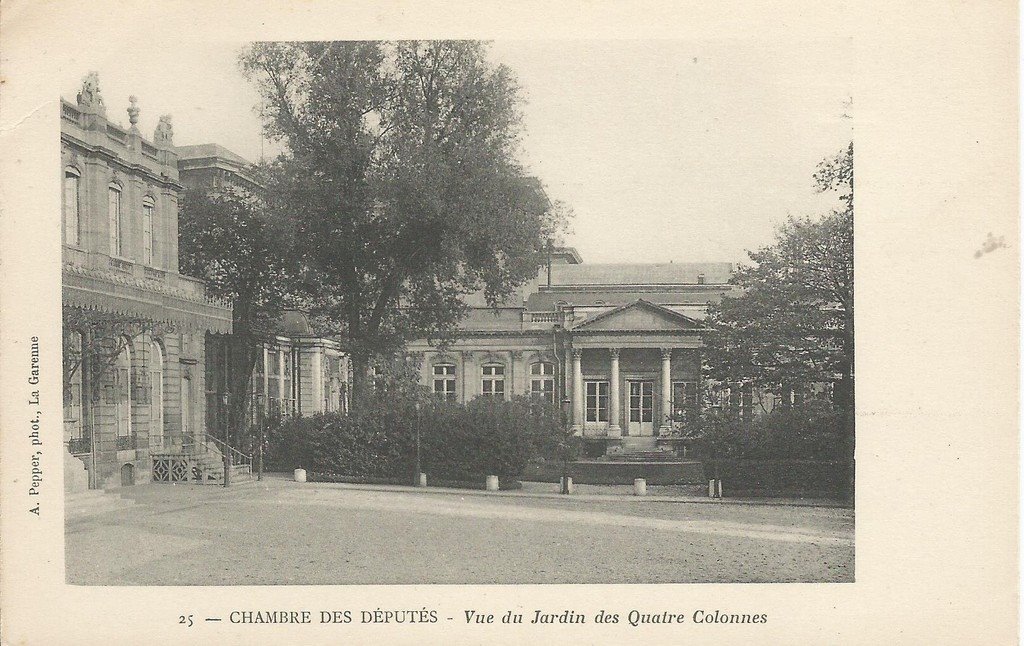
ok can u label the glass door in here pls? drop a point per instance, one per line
(641, 408)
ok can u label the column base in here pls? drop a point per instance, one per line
(614, 431)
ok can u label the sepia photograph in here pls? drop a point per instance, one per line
(455, 322)
(459, 312)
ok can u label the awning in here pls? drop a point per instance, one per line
(150, 300)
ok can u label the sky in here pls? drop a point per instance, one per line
(666, 151)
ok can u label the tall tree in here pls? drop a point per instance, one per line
(229, 238)
(401, 182)
(793, 321)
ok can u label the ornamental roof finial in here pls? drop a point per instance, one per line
(133, 112)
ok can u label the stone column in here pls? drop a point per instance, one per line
(577, 390)
(666, 388)
(316, 369)
(614, 398)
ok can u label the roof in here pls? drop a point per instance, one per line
(546, 300)
(641, 304)
(294, 323)
(206, 151)
(681, 273)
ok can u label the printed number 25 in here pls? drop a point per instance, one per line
(185, 619)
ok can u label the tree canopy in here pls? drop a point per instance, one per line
(400, 181)
(792, 322)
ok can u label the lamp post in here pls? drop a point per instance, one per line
(417, 479)
(564, 444)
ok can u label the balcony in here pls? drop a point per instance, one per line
(541, 320)
(80, 445)
(69, 113)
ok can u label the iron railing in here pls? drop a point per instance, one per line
(80, 445)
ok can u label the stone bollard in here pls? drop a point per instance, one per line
(422, 480)
(640, 487)
(300, 475)
(714, 488)
(492, 483)
(565, 485)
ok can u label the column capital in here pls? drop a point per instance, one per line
(666, 353)
(577, 353)
(614, 352)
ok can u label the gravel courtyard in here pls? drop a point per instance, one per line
(280, 532)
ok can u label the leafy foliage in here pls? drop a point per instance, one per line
(401, 183)
(793, 322)
(810, 432)
(231, 240)
(457, 441)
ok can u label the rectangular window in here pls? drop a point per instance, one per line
(494, 382)
(684, 400)
(71, 225)
(542, 381)
(288, 382)
(274, 381)
(147, 234)
(740, 400)
(444, 382)
(114, 213)
(597, 401)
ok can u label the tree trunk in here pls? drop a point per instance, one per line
(244, 348)
(361, 386)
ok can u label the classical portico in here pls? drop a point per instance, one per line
(628, 364)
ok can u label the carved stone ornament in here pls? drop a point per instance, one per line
(164, 133)
(89, 97)
(133, 113)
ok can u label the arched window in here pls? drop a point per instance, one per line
(72, 226)
(74, 427)
(123, 397)
(444, 381)
(148, 232)
(114, 218)
(494, 381)
(542, 381)
(156, 400)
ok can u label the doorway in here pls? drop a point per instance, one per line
(641, 408)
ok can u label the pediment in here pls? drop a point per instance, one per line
(640, 315)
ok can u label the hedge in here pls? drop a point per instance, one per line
(458, 442)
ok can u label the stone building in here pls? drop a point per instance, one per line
(619, 344)
(134, 327)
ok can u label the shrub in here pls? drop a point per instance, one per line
(457, 441)
(811, 432)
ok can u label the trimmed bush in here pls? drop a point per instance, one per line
(458, 442)
(812, 432)
(801, 450)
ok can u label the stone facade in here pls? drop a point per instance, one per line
(133, 326)
(618, 346)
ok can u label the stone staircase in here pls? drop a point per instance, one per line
(91, 502)
(200, 462)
